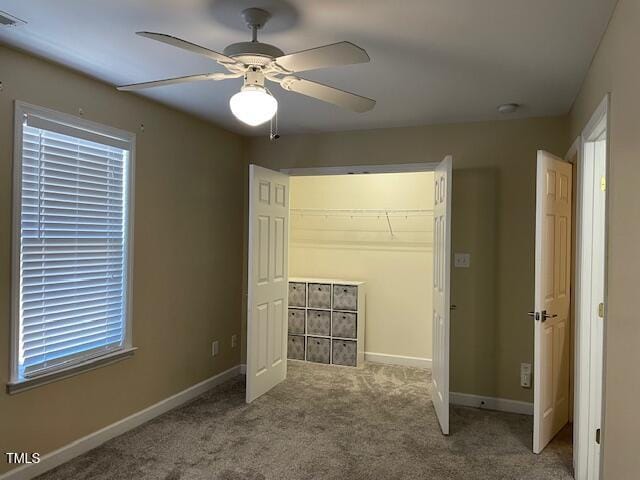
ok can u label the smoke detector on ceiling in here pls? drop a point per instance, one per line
(7, 20)
(508, 107)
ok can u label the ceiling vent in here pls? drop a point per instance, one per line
(7, 20)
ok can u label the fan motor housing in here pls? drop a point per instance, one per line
(253, 53)
(254, 76)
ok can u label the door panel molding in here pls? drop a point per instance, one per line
(552, 284)
(441, 291)
(267, 289)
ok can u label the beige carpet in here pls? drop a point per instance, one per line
(325, 422)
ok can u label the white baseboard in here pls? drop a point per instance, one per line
(397, 360)
(95, 439)
(491, 403)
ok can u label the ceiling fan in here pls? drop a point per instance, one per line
(256, 62)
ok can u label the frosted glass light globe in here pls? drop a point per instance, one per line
(253, 105)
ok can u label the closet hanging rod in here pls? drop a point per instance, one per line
(361, 212)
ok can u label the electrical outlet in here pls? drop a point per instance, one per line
(525, 375)
(234, 341)
(215, 348)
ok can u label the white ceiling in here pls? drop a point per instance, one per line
(433, 61)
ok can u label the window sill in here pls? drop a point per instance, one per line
(92, 364)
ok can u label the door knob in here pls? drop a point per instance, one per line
(544, 315)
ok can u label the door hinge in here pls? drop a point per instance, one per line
(601, 310)
(598, 436)
(603, 183)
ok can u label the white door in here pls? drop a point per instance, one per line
(552, 298)
(267, 280)
(441, 292)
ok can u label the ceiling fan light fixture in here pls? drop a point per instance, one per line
(256, 62)
(253, 105)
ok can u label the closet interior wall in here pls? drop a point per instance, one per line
(378, 229)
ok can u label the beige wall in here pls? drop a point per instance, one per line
(187, 277)
(616, 69)
(494, 213)
(398, 270)
(479, 324)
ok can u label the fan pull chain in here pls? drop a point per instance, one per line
(273, 128)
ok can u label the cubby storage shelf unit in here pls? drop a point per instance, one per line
(326, 321)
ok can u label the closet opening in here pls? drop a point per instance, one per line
(348, 265)
(361, 268)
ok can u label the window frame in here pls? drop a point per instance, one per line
(126, 350)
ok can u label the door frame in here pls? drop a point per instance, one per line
(600, 120)
(361, 169)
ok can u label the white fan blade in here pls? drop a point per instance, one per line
(191, 47)
(168, 81)
(325, 93)
(336, 54)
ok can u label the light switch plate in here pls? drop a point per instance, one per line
(215, 348)
(462, 260)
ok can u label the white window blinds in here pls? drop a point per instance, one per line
(73, 245)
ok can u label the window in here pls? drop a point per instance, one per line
(72, 243)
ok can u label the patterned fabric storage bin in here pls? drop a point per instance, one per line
(318, 350)
(296, 321)
(318, 322)
(295, 347)
(297, 294)
(344, 325)
(345, 297)
(345, 353)
(319, 295)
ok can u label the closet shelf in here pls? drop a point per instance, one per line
(385, 215)
(361, 212)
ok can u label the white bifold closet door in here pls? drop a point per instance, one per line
(267, 280)
(441, 291)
